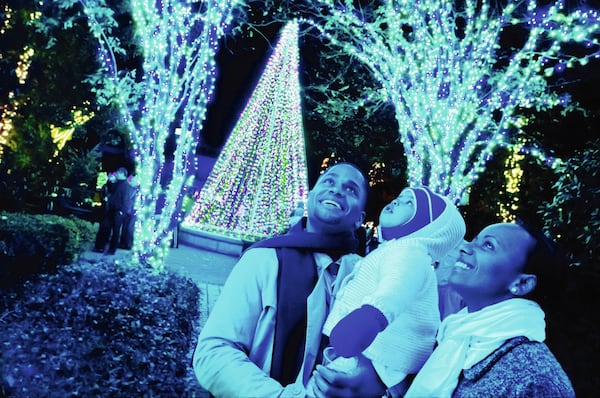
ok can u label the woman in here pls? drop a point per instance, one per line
(494, 346)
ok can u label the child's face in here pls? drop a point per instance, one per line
(400, 211)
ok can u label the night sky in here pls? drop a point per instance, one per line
(240, 64)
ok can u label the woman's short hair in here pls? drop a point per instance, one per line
(546, 261)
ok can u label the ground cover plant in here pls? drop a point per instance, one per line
(105, 328)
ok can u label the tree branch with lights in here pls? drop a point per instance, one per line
(459, 75)
(456, 88)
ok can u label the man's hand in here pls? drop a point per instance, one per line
(361, 382)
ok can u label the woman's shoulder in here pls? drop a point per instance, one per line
(520, 367)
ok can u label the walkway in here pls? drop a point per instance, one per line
(208, 269)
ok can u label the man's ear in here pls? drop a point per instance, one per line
(523, 284)
(360, 221)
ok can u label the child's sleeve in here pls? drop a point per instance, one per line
(401, 274)
(385, 284)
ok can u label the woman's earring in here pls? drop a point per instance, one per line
(513, 290)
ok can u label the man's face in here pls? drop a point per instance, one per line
(337, 201)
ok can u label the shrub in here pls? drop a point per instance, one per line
(99, 329)
(35, 243)
(573, 216)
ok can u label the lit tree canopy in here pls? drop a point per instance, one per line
(45, 101)
(457, 88)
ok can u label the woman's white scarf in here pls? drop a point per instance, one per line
(464, 339)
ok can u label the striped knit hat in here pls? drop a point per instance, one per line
(436, 219)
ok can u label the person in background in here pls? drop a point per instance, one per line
(296, 215)
(387, 308)
(103, 233)
(129, 221)
(263, 336)
(494, 347)
(117, 203)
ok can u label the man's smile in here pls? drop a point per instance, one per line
(332, 203)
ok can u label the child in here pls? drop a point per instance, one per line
(393, 290)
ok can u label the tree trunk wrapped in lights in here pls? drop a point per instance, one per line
(178, 41)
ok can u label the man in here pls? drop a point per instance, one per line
(264, 334)
(105, 227)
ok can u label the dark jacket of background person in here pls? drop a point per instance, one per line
(129, 222)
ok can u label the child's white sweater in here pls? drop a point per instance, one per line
(398, 279)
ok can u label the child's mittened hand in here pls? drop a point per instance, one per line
(357, 330)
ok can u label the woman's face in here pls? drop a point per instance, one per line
(400, 211)
(489, 265)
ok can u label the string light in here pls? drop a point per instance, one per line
(513, 174)
(178, 44)
(9, 111)
(62, 134)
(455, 99)
(260, 175)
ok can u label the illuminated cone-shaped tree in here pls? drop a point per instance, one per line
(178, 41)
(461, 75)
(260, 175)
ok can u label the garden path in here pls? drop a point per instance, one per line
(207, 268)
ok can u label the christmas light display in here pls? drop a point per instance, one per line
(61, 135)
(178, 41)
(457, 93)
(22, 69)
(260, 175)
(513, 174)
(9, 111)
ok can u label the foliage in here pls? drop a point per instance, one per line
(489, 196)
(99, 329)
(340, 121)
(81, 169)
(43, 89)
(30, 244)
(573, 216)
(451, 118)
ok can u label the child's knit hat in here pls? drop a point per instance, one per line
(436, 219)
